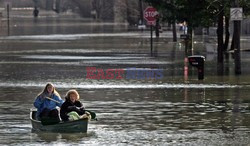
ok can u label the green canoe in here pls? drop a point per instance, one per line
(65, 127)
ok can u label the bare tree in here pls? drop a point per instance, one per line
(97, 6)
(84, 7)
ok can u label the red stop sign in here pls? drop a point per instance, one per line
(150, 14)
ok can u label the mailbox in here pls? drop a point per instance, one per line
(198, 62)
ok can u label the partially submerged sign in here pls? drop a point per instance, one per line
(236, 14)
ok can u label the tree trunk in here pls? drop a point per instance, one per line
(141, 22)
(157, 26)
(227, 34)
(237, 29)
(237, 60)
(190, 39)
(232, 43)
(49, 5)
(220, 31)
(174, 32)
(57, 6)
(85, 7)
(97, 6)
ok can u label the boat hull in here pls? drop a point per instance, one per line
(64, 127)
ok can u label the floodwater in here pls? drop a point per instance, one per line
(173, 109)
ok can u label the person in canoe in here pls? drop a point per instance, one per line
(46, 103)
(72, 108)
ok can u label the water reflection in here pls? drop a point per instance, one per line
(56, 25)
(48, 137)
(119, 86)
(69, 137)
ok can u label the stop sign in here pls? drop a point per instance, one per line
(150, 14)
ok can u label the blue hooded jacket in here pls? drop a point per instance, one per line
(41, 103)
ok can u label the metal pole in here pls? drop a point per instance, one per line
(151, 39)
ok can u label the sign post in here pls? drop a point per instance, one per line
(150, 15)
(236, 15)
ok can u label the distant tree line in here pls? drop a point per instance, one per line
(127, 11)
(104, 10)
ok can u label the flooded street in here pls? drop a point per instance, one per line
(169, 109)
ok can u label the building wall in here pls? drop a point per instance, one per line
(245, 27)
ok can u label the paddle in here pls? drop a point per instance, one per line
(52, 99)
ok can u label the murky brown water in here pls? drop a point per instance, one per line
(173, 110)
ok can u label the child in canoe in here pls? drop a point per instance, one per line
(72, 108)
(46, 103)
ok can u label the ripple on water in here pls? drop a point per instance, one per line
(117, 86)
